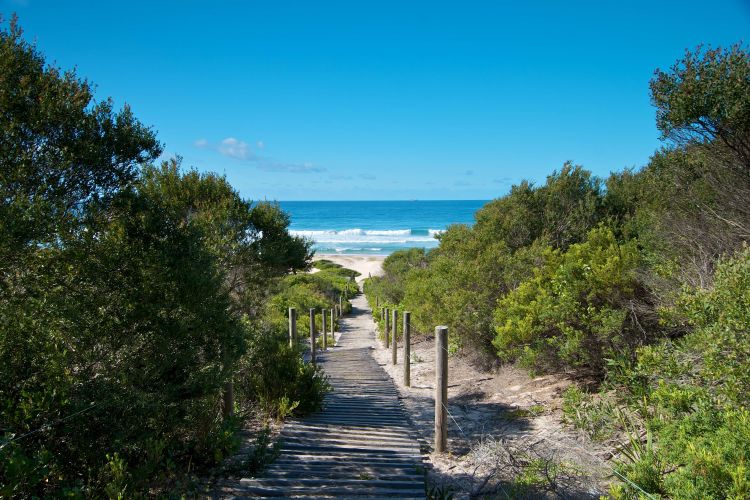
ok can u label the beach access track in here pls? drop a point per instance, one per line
(361, 445)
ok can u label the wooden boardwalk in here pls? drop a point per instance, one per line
(360, 446)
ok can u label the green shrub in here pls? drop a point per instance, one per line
(305, 291)
(574, 312)
(135, 321)
(122, 288)
(274, 376)
(327, 265)
(699, 387)
(459, 283)
(389, 288)
(595, 415)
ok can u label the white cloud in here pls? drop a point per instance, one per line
(234, 148)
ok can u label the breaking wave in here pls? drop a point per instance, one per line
(369, 241)
(405, 237)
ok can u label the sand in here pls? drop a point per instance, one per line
(493, 415)
(367, 265)
(499, 421)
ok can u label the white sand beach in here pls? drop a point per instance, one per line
(367, 265)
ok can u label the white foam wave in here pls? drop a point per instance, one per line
(370, 236)
(377, 240)
(353, 232)
(392, 232)
(360, 249)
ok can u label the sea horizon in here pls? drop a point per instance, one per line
(376, 227)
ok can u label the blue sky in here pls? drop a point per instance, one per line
(384, 100)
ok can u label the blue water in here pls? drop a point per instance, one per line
(376, 227)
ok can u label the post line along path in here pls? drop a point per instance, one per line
(360, 445)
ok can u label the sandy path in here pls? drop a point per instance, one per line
(497, 421)
(495, 418)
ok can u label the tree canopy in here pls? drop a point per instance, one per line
(705, 97)
(130, 294)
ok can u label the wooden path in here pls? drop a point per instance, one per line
(360, 446)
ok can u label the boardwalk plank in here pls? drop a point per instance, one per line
(360, 446)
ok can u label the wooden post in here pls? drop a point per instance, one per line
(324, 329)
(387, 329)
(333, 335)
(441, 388)
(377, 302)
(394, 331)
(312, 336)
(228, 399)
(407, 349)
(292, 326)
(341, 307)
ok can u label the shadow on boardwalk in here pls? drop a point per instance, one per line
(361, 445)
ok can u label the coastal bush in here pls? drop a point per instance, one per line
(460, 282)
(305, 291)
(704, 98)
(129, 295)
(301, 293)
(690, 389)
(389, 288)
(274, 376)
(560, 212)
(694, 404)
(625, 282)
(443, 294)
(327, 265)
(716, 349)
(133, 325)
(335, 283)
(576, 309)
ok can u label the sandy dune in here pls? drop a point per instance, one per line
(367, 265)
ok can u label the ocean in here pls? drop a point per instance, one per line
(376, 227)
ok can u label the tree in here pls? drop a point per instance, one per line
(703, 107)
(705, 97)
(114, 333)
(58, 148)
(125, 293)
(278, 249)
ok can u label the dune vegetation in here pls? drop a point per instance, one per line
(638, 284)
(132, 291)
